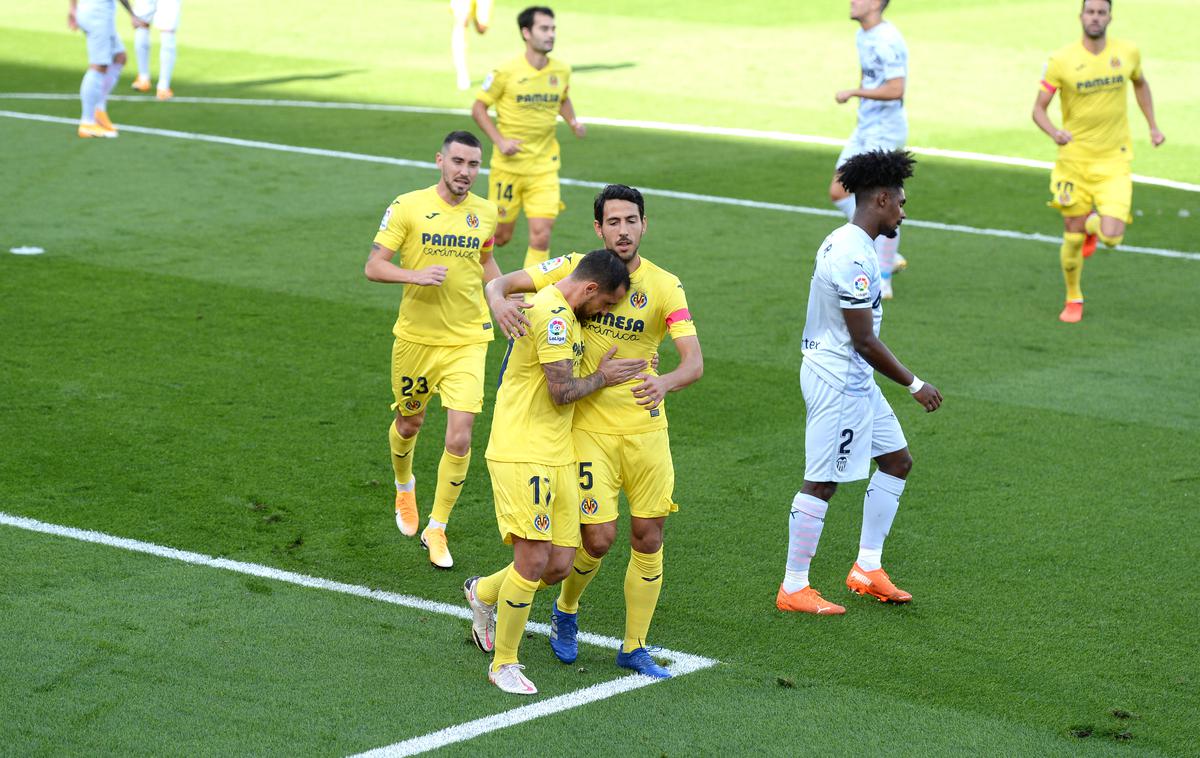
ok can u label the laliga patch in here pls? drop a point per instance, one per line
(556, 332)
(387, 215)
(547, 266)
(487, 83)
(861, 285)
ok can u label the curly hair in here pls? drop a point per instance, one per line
(878, 169)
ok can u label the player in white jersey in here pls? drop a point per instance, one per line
(97, 19)
(164, 14)
(849, 422)
(882, 125)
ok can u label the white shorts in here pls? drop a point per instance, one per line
(842, 433)
(164, 14)
(99, 25)
(884, 136)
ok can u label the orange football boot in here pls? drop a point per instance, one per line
(1089, 245)
(164, 93)
(877, 584)
(1072, 312)
(407, 517)
(141, 84)
(103, 120)
(806, 600)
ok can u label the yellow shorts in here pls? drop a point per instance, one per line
(1077, 187)
(640, 464)
(538, 193)
(453, 371)
(536, 502)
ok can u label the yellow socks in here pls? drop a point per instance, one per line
(643, 582)
(402, 449)
(488, 587)
(534, 257)
(1071, 257)
(582, 573)
(512, 611)
(452, 472)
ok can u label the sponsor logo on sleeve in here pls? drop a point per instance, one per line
(387, 215)
(547, 266)
(861, 285)
(556, 332)
(487, 83)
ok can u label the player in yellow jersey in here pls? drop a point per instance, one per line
(529, 92)
(466, 13)
(621, 432)
(531, 456)
(444, 237)
(1091, 183)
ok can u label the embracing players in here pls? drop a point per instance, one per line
(848, 420)
(1091, 183)
(620, 433)
(529, 92)
(444, 236)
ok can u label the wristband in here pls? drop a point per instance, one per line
(916, 385)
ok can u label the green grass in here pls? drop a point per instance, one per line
(198, 361)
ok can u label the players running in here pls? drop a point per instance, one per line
(848, 420)
(532, 459)
(466, 13)
(164, 14)
(882, 125)
(529, 92)
(620, 433)
(106, 57)
(1091, 183)
(444, 236)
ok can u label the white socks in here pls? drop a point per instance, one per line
(141, 47)
(879, 510)
(91, 91)
(166, 59)
(847, 205)
(805, 523)
(109, 81)
(887, 249)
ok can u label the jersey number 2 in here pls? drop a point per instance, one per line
(847, 436)
(408, 382)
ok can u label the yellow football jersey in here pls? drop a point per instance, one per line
(527, 427)
(427, 231)
(1094, 100)
(527, 102)
(655, 307)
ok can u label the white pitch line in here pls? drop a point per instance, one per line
(665, 126)
(691, 196)
(679, 663)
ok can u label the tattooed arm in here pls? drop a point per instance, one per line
(565, 387)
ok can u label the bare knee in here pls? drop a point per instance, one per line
(598, 538)
(539, 235)
(504, 233)
(458, 442)
(646, 534)
(559, 566)
(407, 426)
(120, 58)
(820, 490)
(896, 464)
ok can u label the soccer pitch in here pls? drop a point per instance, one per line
(197, 362)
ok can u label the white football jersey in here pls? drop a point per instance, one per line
(846, 276)
(882, 55)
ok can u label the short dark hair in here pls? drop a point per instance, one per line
(462, 138)
(1083, 5)
(877, 169)
(525, 17)
(604, 268)
(618, 192)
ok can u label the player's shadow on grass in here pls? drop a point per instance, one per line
(285, 79)
(585, 68)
